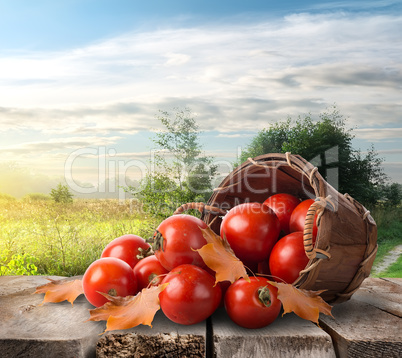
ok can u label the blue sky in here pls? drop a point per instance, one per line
(86, 76)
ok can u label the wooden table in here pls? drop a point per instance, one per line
(369, 325)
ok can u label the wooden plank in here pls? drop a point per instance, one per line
(165, 339)
(14, 284)
(59, 329)
(52, 330)
(288, 336)
(383, 293)
(360, 330)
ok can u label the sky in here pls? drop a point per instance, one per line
(82, 81)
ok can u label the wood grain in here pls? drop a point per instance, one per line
(288, 336)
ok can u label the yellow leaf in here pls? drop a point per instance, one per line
(60, 290)
(306, 304)
(130, 311)
(218, 256)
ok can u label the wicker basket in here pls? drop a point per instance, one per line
(346, 243)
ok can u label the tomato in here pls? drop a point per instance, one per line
(283, 205)
(191, 295)
(252, 304)
(298, 217)
(176, 239)
(147, 272)
(109, 275)
(251, 230)
(288, 258)
(127, 248)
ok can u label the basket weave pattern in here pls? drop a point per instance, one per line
(347, 234)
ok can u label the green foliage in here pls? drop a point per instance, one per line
(65, 239)
(389, 223)
(61, 194)
(17, 264)
(182, 173)
(326, 143)
(391, 195)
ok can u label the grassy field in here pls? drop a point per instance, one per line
(39, 236)
(389, 223)
(63, 239)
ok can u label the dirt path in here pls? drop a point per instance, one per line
(388, 260)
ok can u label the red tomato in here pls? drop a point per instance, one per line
(109, 275)
(191, 295)
(251, 230)
(298, 217)
(288, 258)
(126, 248)
(176, 239)
(283, 206)
(245, 307)
(147, 272)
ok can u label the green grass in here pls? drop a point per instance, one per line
(39, 236)
(389, 223)
(63, 239)
(395, 270)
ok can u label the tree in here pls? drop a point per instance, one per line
(391, 195)
(61, 194)
(326, 143)
(181, 172)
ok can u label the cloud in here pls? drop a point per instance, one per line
(227, 135)
(390, 151)
(236, 77)
(57, 144)
(374, 134)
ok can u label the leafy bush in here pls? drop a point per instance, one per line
(327, 144)
(61, 194)
(17, 264)
(183, 174)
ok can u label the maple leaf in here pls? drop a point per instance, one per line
(218, 256)
(130, 311)
(306, 304)
(60, 290)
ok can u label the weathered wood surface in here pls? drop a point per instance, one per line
(59, 329)
(369, 325)
(288, 336)
(51, 330)
(383, 293)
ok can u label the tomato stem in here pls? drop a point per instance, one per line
(143, 253)
(158, 241)
(112, 292)
(264, 296)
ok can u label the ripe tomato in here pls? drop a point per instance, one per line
(147, 272)
(251, 230)
(109, 275)
(176, 238)
(126, 248)
(252, 304)
(298, 217)
(288, 258)
(283, 205)
(191, 295)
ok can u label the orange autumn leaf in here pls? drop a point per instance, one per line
(306, 304)
(60, 290)
(218, 256)
(130, 311)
